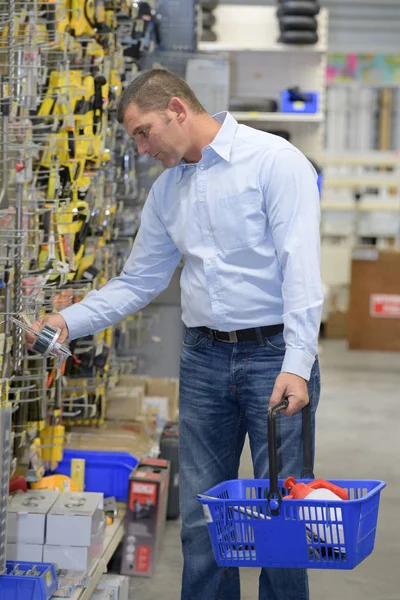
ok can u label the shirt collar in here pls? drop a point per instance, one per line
(221, 144)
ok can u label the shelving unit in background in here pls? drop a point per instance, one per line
(263, 68)
(361, 205)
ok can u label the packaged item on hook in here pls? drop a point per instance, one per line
(45, 340)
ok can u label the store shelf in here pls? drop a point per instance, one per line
(384, 207)
(373, 158)
(261, 32)
(113, 536)
(277, 117)
(288, 49)
(362, 181)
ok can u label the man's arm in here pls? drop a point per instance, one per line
(292, 205)
(146, 274)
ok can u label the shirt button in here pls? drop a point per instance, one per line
(208, 262)
(215, 298)
(201, 166)
(201, 199)
(207, 232)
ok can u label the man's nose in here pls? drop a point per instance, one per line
(143, 148)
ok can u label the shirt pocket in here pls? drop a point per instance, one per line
(239, 221)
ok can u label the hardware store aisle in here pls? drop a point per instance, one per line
(357, 437)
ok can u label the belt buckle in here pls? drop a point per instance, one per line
(232, 337)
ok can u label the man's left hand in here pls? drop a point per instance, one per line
(292, 387)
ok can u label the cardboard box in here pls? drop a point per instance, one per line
(157, 386)
(336, 326)
(25, 552)
(374, 311)
(156, 407)
(117, 584)
(74, 519)
(124, 403)
(26, 520)
(165, 386)
(130, 437)
(145, 517)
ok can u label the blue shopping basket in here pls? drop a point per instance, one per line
(250, 525)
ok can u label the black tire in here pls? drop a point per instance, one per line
(209, 4)
(297, 23)
(298, 37)
(208, 19)
(305, 8)
(208, 36)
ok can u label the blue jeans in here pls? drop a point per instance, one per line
(224, 394)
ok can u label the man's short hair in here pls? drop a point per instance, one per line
(153, 90)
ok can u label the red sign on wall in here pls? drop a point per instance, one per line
(385, 305)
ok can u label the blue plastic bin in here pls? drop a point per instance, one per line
(106, 472)
(20, 587)
(308, 534)
(320, 181)
(297, 106)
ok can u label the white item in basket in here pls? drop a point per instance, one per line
(328, 528)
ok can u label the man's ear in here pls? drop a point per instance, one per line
(179, 108)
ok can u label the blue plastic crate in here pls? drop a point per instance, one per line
(106, 472)
(20, 587)
(309, 534)
(311, 107)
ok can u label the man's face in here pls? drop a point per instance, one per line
(158, 134)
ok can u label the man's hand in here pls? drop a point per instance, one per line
(54, 321)
(292, 387)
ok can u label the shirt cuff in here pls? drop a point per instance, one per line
(298, 362)
(79, 324)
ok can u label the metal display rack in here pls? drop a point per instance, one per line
(61, 154)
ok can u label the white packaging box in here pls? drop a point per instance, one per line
(76, 558)
(25, 552)
(74, 519)
(118, 584)
(102, 595)
(26, 521)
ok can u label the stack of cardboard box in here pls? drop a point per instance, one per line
(66, 529)
(153, 397)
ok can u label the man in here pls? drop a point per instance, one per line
(242, 207)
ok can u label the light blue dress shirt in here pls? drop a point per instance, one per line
(246, 219)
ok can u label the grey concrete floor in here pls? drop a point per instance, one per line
(358, 436)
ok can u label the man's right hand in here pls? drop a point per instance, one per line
(53, 320)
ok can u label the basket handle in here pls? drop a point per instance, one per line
(274, 494)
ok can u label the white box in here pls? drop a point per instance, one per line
(102, 595)
(26, 521)
(74, 519)
(76, 558)
(118, 584)
(25, 552)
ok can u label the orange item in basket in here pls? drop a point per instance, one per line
(301, 490)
